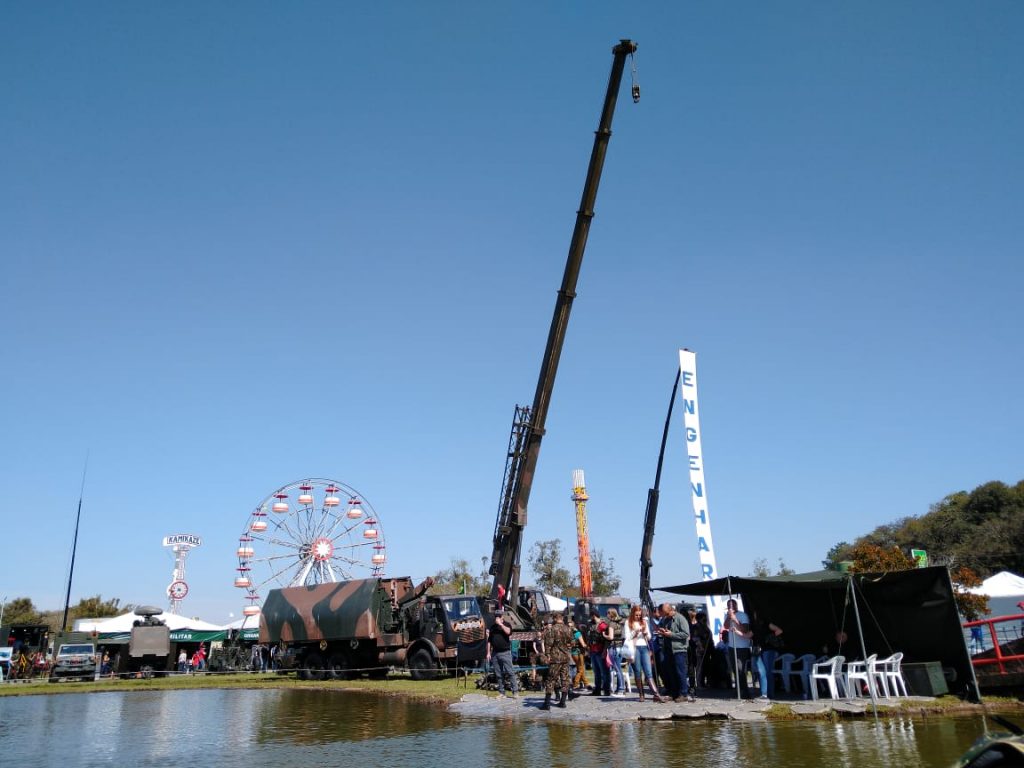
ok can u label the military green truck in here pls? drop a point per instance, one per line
(347, 628)
(74, 656)
(149, 648)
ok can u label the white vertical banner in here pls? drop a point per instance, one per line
(698, 486)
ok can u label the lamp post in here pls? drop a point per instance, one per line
(3, 604)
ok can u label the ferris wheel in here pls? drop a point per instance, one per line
(312, 531)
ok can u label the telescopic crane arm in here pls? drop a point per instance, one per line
(528, 423)
(651, 513)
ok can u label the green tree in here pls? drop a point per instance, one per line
(760, 568)
(982, 530)
(20, 610)
(545, 559)
(839, 553)
(96, 607)
(783, 569)
(869, 558)
(602, 574)
(459, 576)
(971, 606)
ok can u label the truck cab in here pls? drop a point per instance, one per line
(445, 631)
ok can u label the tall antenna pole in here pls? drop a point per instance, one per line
(74, 547)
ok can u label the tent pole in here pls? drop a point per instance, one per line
(863, 648)
(973, 692)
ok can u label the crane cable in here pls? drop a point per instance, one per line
(635, 85)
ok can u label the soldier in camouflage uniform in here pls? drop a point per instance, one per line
(557, 640)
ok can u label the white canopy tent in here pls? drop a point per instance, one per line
(1004, 591)
(125, 621)
(246, 622)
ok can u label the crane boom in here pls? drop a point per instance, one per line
(528, 423)
(651, 513)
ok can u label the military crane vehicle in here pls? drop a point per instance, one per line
(528, 422)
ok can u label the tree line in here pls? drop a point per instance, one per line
(982, 530)
(975, 534)
(21, 610)
(549, 574)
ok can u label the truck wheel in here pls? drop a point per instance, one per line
(422, 666)
(338, 668)
(312, 668)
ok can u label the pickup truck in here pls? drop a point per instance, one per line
(74, 660)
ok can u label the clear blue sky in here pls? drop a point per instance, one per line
(248, 243)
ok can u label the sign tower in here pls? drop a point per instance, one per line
(180, 544)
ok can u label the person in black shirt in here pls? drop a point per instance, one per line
(499, 653)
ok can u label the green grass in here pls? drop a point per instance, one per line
(444, 690)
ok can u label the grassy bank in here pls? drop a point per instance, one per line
(446, 690)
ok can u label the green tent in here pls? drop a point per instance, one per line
(911, 611)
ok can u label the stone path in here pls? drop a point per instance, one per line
(711, 705)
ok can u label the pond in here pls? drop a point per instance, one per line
(283, 728)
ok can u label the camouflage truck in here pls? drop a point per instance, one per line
(332, 631)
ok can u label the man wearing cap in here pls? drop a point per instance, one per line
(499, 652)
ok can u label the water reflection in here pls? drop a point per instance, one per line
(251, 728)
(316, 717)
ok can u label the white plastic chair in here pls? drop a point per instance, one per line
(889, 672)
(830, 672)
(862, 672)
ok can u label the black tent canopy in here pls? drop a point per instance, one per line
(912, 611)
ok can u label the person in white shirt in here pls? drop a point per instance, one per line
(638, 633)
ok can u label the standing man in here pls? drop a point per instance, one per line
(675, 638)
(737, 624)
(499, 652)
(597, 644)
(656, 660)
(557, 643)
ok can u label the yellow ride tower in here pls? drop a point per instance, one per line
(579, 497)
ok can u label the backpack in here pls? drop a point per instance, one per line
(595, 637)
(617, 635)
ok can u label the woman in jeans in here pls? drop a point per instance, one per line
(639, 633)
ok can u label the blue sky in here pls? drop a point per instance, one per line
(256, 242)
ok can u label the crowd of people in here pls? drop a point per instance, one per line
(194, 663)
(670, 655)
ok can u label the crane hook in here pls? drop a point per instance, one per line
(635, 89)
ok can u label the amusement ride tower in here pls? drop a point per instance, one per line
(579, 498)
